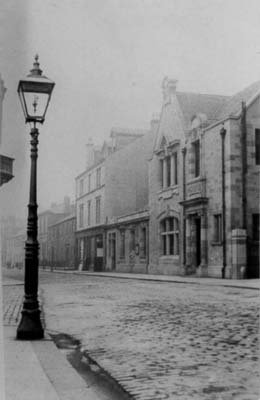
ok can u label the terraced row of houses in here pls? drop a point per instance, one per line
(180, 198)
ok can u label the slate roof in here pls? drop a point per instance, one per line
(233, 106)
(215, 107)
(194, 103)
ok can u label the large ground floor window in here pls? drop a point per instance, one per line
(170, 236)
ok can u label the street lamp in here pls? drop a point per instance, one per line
(34, 93)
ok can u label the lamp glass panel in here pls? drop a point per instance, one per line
(36, 104)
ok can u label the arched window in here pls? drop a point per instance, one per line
(170, 236)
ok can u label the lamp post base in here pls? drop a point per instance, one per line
(30, 327)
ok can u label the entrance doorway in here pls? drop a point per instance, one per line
(198, 241)
(98, 264)
(113, 251)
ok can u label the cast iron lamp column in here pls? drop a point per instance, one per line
(30, 90)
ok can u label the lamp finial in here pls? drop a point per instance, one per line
(36, 66)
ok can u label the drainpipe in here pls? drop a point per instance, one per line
(184, 150)
(223, 134)
(244, 163)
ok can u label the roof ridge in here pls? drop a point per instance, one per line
(205, 94)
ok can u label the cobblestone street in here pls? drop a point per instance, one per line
(161, 340)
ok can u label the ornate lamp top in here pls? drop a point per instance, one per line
(36, 71)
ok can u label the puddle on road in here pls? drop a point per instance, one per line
(106, 387)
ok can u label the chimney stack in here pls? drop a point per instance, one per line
(89, 153)
(155, 120)
(169, 89)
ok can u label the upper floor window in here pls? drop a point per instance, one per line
(81, 215)
(98, 176)
(257, 146)
(169, 170)
(89, 212)
(81, 187)
(89, 182)
(196, 152)
(98, 209)
(170, 236)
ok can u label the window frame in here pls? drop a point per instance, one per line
(89, 212)
(98, 209)
(197, 156)
(81, 215)
(170, 237)
(217, 228)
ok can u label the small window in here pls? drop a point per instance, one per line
(196, 150)
(81, 187)
(257, 146)
(161, 172)
(217, 228)
(81, 215)
(89, 182)
(168, 171)
(98, 209)
(175, 164)
(98, 177)
(89, 212)
(256, 226)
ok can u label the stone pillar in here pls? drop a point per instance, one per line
(188, 242)
(239, 253)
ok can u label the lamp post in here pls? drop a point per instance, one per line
(34, 93)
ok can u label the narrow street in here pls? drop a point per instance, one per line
(161, 340)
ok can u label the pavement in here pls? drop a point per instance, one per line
(35, 369)
(41, 371)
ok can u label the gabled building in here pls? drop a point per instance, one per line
(204, 185)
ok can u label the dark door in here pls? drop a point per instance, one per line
(113, 251)
(98, 265)
(198, 242)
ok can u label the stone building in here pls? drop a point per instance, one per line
(115, 183)
(6, 162)
(127, 230)
(61, 243)
(15, 250)
(204, 185)
(47, 218)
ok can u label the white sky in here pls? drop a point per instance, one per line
(108, 59)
